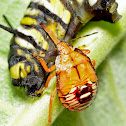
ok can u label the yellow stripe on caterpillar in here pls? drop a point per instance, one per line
(29, 58)
(18, 71)
(28, 21)
(39, 39)
(57, 7)
(57, 29)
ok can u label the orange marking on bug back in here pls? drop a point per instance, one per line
(74, 69)
(67, 79)
(51, 34)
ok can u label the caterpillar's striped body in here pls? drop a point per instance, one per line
(26, 70)
(64, 18)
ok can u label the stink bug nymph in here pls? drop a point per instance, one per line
(76, 78)
(77, 82)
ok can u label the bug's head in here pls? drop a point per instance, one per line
(63, 48)
(80, 97)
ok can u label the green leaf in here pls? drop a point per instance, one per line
(108, 49)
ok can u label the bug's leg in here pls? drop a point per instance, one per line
(93, 62)
(47, 82)
(50, 106)
(45, 66)
(86, 51)
(46, 69)
(49, 77)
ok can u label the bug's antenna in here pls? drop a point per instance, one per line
(83, 36)
(7, 21)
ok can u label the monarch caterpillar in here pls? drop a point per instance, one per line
(64, 18)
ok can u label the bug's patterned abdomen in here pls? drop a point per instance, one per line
(77, 81)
